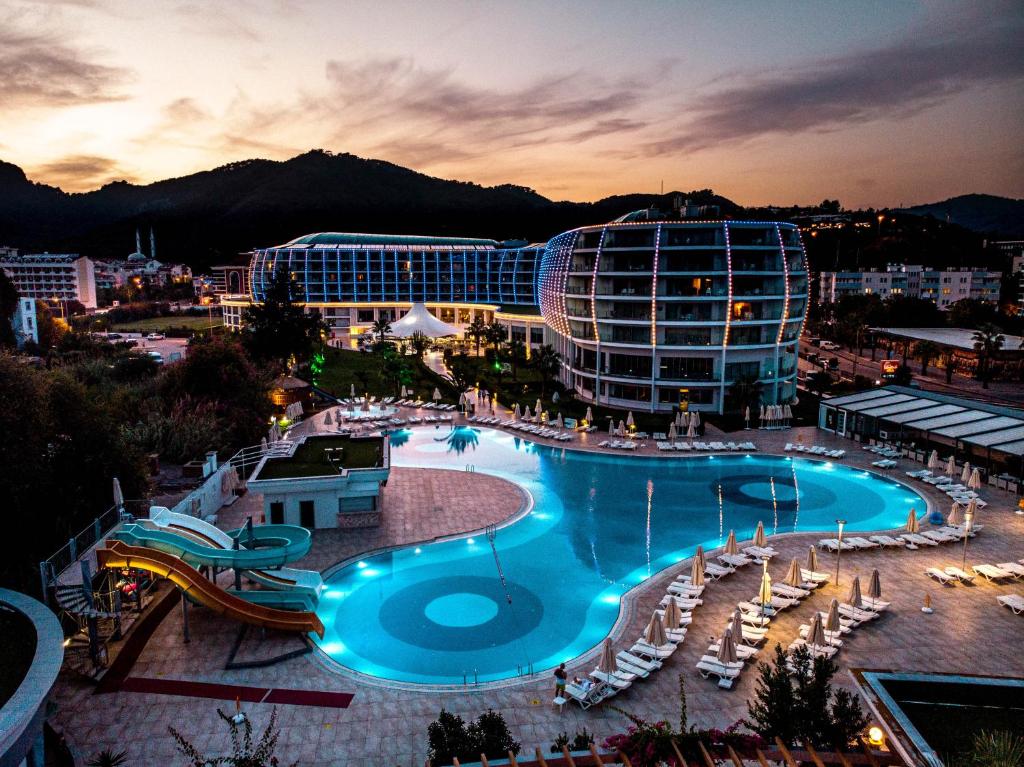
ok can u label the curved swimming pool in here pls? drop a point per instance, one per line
(459, 611)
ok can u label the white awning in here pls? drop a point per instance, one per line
(419, 320)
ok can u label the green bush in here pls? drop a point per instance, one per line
(451, 738)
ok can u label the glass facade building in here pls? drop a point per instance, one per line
(654, 313)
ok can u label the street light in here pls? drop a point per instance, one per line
(968, 519)
(839, 548)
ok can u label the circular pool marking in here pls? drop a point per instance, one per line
(763, 491)
(461, 610)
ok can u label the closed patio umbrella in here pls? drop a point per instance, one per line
(972, 507)
(590, 415)
(965, 475)
(699, 554)
(691, 430)
(678, 420)
(697, 572)
(761, 416)
(794, 577)
(695, 418)
(954, 514)
(875, 585)
(462, 399)
(933, 460)
(815, 632)
(611, 427)
(746, 415)
(673, 615)
(622, 428)
(951, 466)
(629, 419)
(832, 621)
(328, 420)
(607, 663)
(912, 524)
(730, 544)
(812, 559)
(974, 483)
(854, 597)
(787, 412)
(684, 418)
(263, 444)
(365, 407)
(764, 594)
(672, 432)
(515, 412)
(759, 538)
(538, 406)
(727, 648)
(737, 624)
(527, 415)
(405, 392)
(437, 394)
(118, 495)
(655, 633)
(559, 422)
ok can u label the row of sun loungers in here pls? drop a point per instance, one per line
(618, 444)
(814, 450)
(707, 446)
(945, 534)
(540, 431)
(950, 576)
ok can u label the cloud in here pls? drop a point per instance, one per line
(80, 172)
(898, 80)
(41, 70)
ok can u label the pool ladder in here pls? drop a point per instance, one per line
(465, 679)
(470, 467)
(528, 669)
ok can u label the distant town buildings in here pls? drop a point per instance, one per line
(1013, 252)
(944, 287)
(138, 268)
(26, 328)
(51, 276)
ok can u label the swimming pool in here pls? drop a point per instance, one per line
(440, 613)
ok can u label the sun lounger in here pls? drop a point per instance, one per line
(856, 614)
(734, 560)
(780, 603)
(940, 576)
(684, 620)
(619, 681)
(647, 650)
(816, 650)
(846, 625)
(939, 537)
(862, 543)
(686, 591)
(919, 474)
(636, 661)
(874, 605)
(686, 605)
(887, 540)
(714, 572)
(960, 575)
(884, 464)
(992, 573)
(1012, 567)
(586, 698)
(1014, 601)
(743, 652)
(785, 590)
(756, 609)
(760, 552)
(631, 669)
(832, 637)
(918, 540)
(810, 576)
(834, 544)
(709, 666)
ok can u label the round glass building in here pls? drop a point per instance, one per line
(650, 314)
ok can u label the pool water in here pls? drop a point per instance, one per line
(460, 611)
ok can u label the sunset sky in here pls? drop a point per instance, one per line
(883, 103)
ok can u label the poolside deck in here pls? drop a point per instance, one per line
(968, 632)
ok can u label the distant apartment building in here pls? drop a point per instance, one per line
(51, 276)
(944, 287)
(1012, 251)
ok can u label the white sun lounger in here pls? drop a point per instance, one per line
(791, 592)
(940, 576)
(638, 662)
(620, 680)
(1014, 601)
(874, 605)
(918, 540)
(760, 552)
(960, 575)
(991, 573)
(686, 605)
(647, 650)
(630, 668)
(863, 543)
(856, 614)
(586, 698)
(709, 666)
(816, 650)
(743, 652)
(684, 588)
(834, 544)
(714, 572)
(845, 624)
(887, 540)
(780, 602)
(832, 637)
(1011, 567)
(755, 609)
(939, 537)
(734, 560)
(810, 576)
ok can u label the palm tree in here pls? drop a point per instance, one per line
(419, 343)
(381, 328)
(547, 362)
(517, 352)
(988, 339)
(949, 360)
(496, 334)
(477, 330)
(927, 351)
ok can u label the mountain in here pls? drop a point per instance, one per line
(986, 213)
(210, 217)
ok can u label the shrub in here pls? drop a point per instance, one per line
(450, 738)
(580, 742)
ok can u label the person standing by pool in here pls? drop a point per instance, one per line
(560, 677)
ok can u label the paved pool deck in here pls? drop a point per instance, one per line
(968, 633)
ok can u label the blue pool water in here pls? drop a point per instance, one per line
(440, 614)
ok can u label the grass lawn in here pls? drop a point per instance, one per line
(343, 368)
(310, 459)
(162, 324)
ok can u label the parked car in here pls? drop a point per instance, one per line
(833, 363)
(157, 357)
(829, 346)
(814, 341)
(114, 336)
(156, 337)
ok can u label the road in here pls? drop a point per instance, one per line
(999, 393)
(171, 349)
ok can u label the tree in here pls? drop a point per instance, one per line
(988, 340)
(496, 334)
(795, 702)
(547, 362)
(477, 330)
(419, 343)
(278, 329)
(451, 738)
(926, 351)
(516, 353)
(8, 305)
(745, 392)
(462, 372)
(243, 752)
(395, 367)
(381, 328)
(949, 360)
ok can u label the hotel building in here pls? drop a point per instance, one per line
(51, 276)
(942, 287)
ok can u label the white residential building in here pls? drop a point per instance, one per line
(51, 276)
(944, 287)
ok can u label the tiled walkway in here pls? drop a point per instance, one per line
(968, 632)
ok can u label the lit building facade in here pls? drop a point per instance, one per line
(352, 280)
(51, 276)
(944, 287)
(651, 314)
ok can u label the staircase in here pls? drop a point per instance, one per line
(77, 653)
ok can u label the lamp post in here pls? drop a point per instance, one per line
(968, 519)
(839, 548)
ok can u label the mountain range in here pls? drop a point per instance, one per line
(984, 213)
(212, 216)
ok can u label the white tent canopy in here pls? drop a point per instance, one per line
(419, 320)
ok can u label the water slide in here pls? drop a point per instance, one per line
(199, 543)
(118, 554)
